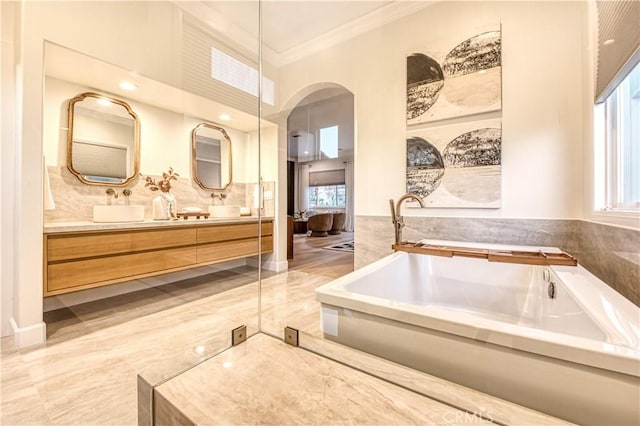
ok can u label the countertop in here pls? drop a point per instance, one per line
(59, 227)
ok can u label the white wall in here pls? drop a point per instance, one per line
(542, 125)
(7, 157)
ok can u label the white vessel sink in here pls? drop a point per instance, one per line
(134, 213)
(224, 211)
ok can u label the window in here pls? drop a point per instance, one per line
(327, 196)
(618, 143)
(235, 73)
(327, 188)
(329, 141)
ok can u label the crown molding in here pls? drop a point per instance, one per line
(368, 22)
(218, 23)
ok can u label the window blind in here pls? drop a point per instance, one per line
(96, 159)
(329, 177)
(618, 21)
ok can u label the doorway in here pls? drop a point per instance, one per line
(320, 154)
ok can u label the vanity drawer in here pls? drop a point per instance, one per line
(99, 271)
(227, 250)
(232, 232)
(267, 244)
(66, 247)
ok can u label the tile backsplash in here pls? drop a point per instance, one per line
(74, 200)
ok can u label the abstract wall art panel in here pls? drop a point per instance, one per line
(456, 77)
(458, 165)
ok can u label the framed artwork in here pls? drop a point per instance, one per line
(456, 77)
(458, 165)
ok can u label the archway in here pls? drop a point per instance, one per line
(320, 132)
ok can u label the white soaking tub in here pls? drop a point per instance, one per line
(493, 327)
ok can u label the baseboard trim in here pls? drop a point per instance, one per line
(269, 265)
(35, 334)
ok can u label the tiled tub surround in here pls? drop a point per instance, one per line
(609, 252)
(74, 200)
(612, 254)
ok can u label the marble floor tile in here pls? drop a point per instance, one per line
(63, 324)
(27, 410)
(289, 300)
(124, 308)
(20, 402)
(86, 373)
(265, 381)
(102, 394)
(197, 288)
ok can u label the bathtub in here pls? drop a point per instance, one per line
(495, 327)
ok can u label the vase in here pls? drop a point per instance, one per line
(164, 206)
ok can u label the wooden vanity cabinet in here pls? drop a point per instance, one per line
(232, 242)
(86, 259)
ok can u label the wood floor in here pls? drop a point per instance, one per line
(310, 256)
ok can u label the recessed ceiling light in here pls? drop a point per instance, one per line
(225, 117)
(104, 102)
(306, 152)
(608, 42)
(227, 364)
(127, 85)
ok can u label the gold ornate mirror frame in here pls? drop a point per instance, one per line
(194, 161)
(136, 141)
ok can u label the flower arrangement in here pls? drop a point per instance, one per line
(164, 184)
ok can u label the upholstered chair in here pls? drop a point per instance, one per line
(320, 224)
(338, 223)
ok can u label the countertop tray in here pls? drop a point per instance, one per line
(197, 215)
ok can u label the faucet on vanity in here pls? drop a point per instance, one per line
(396, 217)
(221, 196)
(127, 193)
(111, 193)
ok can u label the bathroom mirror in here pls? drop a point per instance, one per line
(211, 156)
(103, 144)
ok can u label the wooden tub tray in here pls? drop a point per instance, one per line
(528, 257)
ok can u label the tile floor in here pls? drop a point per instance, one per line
(86, 373)
(246, 383)
(245, 386)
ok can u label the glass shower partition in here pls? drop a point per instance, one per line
(179, 65)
